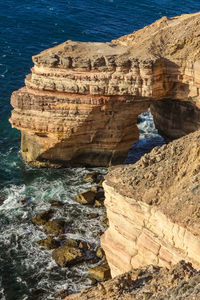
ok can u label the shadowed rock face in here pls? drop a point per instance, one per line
(81, 100)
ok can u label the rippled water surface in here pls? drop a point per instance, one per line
(26, 28)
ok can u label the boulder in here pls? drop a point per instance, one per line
(87, 197)
(66, 256)
(95, 195)
(93, 177)
(43, 217)
(100, 273)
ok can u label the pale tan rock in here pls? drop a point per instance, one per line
(164, 227)
(81, 100)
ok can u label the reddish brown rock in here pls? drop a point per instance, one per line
(81, 100)
(153, 208)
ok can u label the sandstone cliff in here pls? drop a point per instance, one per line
(153, 208)
(180, 282)
(81, 100)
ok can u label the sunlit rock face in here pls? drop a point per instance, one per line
(80, 103)
(153, 208)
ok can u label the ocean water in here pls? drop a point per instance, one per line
(26, 28)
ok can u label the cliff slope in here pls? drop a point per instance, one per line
(153, 208)
(180, 282)
(81, 100)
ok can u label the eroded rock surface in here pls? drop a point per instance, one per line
(153, 208)
(81, 100)
(179, 282)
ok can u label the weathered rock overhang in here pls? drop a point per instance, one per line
(81, 100)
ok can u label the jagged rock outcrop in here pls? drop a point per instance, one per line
(179, 282)
(153, 208)
(81, 100)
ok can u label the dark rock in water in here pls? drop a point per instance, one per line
(24, 201)
(93, 215)
(100, 273)
(2, 197)
(92, 195)
(100, 253)
(98, 203)
(84, 245)
(49, 243)
(74, 251)
(66, 256)
(99, 192)
(55, 227)
(56, 203)
(104, 220)
(61, 294)
(71, 243)
(87, 197)
(43, 217)
(93, 177)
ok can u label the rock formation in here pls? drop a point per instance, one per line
(180, 282)
(153, 208)
(81, 100)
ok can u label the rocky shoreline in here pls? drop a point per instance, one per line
(80, 107)
(68, 252)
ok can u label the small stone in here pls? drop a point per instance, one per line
(98, 204)
(100, 273)
(100, 253)
(43, 217)
(93, 215)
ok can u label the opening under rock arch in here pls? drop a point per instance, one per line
(148, 139)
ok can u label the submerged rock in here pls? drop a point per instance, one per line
(49, 243)
(55, 227)
(56, 203)
(43, 217)
(61, 294)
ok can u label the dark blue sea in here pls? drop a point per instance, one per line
(26, 28)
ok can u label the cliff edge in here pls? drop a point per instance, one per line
(181, 281)
(153, 208)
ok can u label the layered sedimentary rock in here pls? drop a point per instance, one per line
(179, 282)
(153, 208)
(81, 100)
